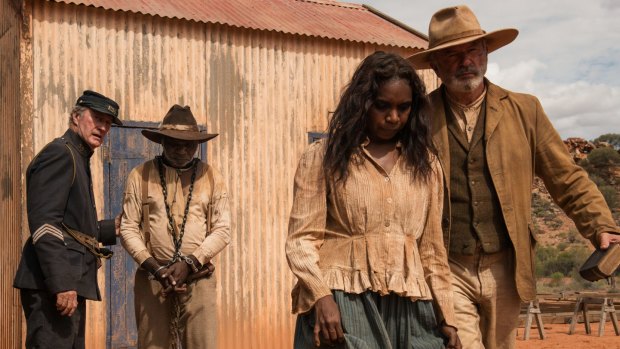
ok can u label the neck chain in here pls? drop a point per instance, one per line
(177, 241)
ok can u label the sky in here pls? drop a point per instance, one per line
(567, 54)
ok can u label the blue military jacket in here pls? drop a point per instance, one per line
(59, 191)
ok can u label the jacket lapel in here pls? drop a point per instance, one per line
(494, 110)
(440, 133)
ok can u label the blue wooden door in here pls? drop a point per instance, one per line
(124, 149)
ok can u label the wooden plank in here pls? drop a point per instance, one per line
(11, 218)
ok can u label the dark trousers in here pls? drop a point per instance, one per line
(46, 328)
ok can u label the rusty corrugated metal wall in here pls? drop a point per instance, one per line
(261, 91)
(10, 178)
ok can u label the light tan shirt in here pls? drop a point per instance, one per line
(195, 241)
(379, 231)
(467, 115)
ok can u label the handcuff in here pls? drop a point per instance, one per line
(186, 259)
(190, 262)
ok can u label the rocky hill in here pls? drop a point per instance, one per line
(552, 225)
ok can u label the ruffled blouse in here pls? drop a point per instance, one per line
(378, 231)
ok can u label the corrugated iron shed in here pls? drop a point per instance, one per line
(263, 74)
(326, 19)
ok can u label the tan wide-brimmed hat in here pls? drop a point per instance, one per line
(455, 26)
(179, 123)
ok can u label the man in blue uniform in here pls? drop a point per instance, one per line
(58, 268)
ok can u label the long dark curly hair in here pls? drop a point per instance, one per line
(347, 127)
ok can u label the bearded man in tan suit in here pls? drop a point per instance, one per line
(491, 143)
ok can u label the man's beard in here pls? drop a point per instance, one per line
(466, 85)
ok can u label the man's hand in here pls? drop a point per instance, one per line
(605, 239)
(205, 272)
(160, 275)
(117, 224)
(176, 274)
(66, 302)
(152, 266)
(454, 342)
(328, 322)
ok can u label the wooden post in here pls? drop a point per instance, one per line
(586, 319)
(581, 306)
(573, 320)
(608, 307)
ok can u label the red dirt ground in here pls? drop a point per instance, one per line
(558, 338)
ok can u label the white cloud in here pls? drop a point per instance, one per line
(517, 78)
(577, 109)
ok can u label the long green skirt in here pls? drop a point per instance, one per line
(371, 321)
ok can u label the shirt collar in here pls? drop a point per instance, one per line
(473, 105)
(78, 143)
(366, 141)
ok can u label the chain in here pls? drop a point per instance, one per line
(179, 241)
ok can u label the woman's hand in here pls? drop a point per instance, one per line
(454, 342)
(328, 323)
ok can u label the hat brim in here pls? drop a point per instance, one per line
(494, 40)
(198, 136)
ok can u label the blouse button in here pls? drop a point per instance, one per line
(387, 223)
(387, 179)
(389, 200)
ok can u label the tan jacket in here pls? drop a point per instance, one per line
(521, 143)
(379, 231)
(195, 240)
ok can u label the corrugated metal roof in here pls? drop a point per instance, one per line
(321, 18)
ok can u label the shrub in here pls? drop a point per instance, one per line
(611, 138)
(598, 180)
(556, 278)
(603, 157)
(573, 237)
(560, 259)
(610, 195)
(553, 222)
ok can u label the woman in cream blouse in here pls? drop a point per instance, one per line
(365, 240)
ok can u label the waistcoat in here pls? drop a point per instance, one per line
(476, 213)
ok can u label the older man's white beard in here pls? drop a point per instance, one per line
(464, 86)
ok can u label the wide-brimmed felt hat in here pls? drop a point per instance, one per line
(98, 102)
(458, 25)
(179, 123)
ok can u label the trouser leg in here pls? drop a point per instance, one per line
(199, 315)
(46, 328)
(153, 313)
(500, 303)
(466, 287)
